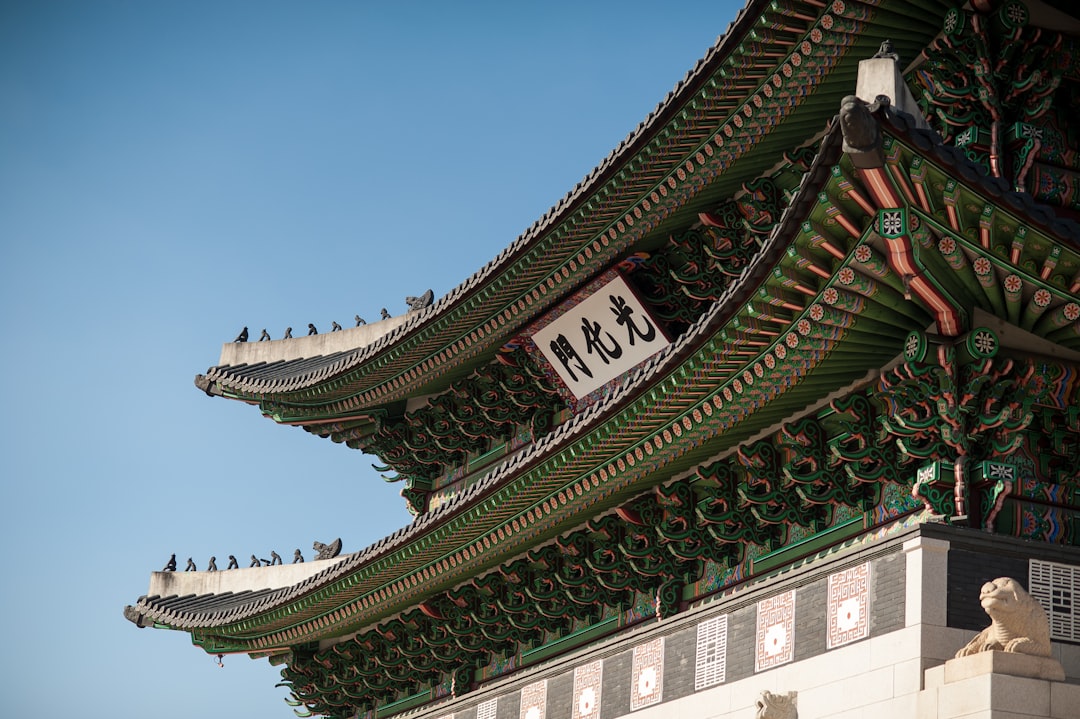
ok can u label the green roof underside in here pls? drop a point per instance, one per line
(704, 398)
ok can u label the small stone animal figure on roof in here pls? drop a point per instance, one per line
(211, 566)
(327, 551)
(233, 564)
(360, 321)
(776, 706)
(242, 337)
(190, 566)
(265, 336)
(255, 562)
(384, 313)
(275, 558)
(311, 329)
(297, 557)
(419, 303)
(887, 50)
(170, 566)
(1017, 622)
(288, 333)
(334, 327)
(858, 126)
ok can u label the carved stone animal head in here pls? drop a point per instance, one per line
(776, 706)
(1004, 597)
(1018, 622)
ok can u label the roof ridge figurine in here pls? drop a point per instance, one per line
(327, 551)
(419, 303)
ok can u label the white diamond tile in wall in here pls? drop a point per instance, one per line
(775, 631)
(587, 681)
(647, 675)
(534, 701)
(848, 605)
(710, 662)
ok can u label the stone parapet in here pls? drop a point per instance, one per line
(350, 338)
(169, 584)
(998, 685)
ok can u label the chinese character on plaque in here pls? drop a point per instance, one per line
(597, 335)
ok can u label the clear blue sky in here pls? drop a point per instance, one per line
(173, 171)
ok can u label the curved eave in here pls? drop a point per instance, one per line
(744, 104)
(717, 386)
(672, 413)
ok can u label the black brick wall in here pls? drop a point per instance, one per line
(741, 634)
(615, 695)
(888, 585)
(968, 571)
(509, 706)
(680, 651)
(560, 696)
(811, 620)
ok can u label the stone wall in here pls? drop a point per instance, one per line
(876, 667)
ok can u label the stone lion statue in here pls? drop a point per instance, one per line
(1017, 622)
(776, 706)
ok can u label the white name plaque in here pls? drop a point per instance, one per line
(604, 335)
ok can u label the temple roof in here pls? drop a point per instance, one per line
(764, 88)
(401, 569)
(750, 433)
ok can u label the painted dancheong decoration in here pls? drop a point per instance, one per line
(786, 314)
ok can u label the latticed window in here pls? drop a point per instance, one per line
(710, 665)
(1057, 588)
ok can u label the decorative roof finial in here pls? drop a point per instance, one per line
(419, 303)
(327, 551)
(887, 50)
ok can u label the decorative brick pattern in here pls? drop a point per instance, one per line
(587, 689)
(848, 609)
(1057, 588)
(710, 664)
(775, 636)
(647, 674)
(534, 700)
(488, 709)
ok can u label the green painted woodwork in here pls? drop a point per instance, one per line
(773, 313)
(1001, 89)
